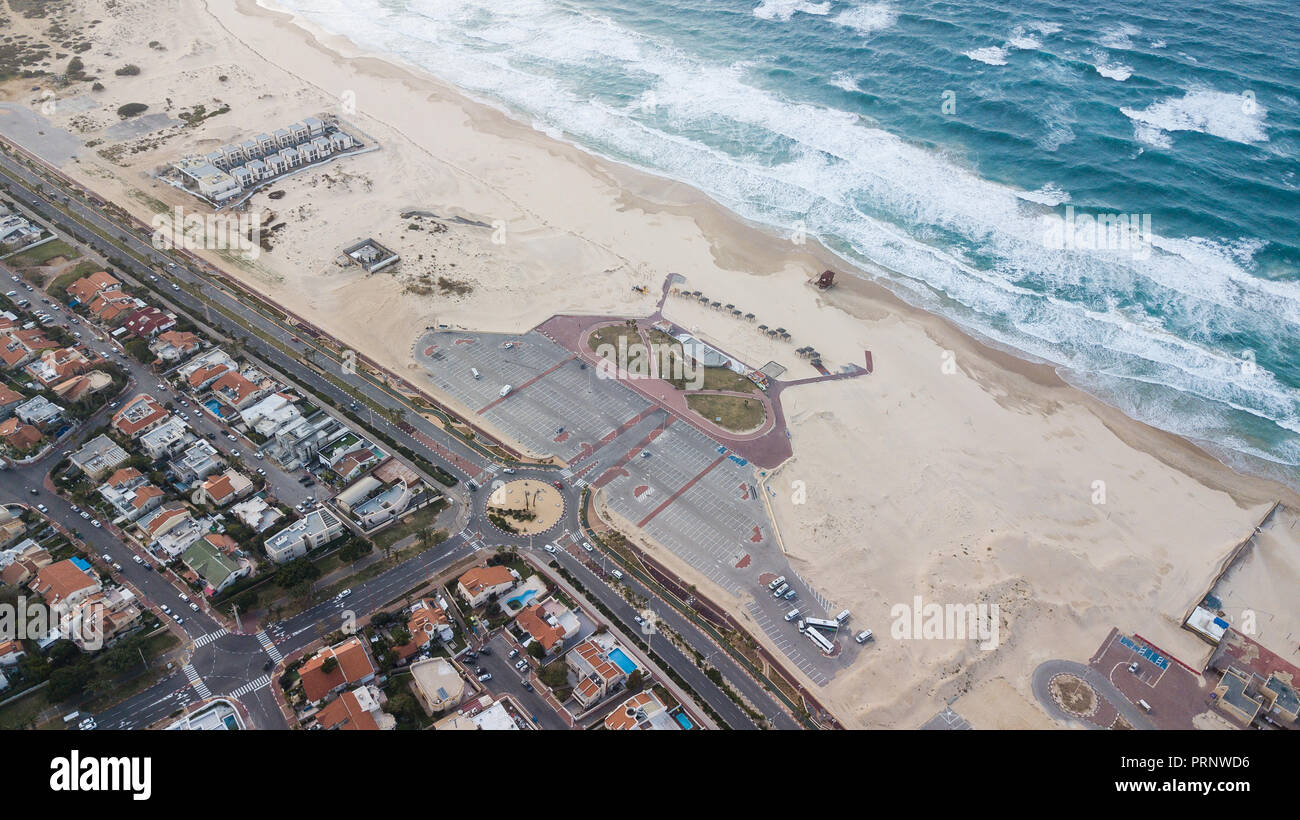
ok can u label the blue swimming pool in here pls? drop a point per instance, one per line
(684, 721)
(521, 600)
(622, 660)
(213, 406)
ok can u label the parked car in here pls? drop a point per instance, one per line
(94, 522)
(513, 653)
(108, 559)
(345, 593)
(486, 676)
(587, 546)
(137, 559)
(117, 567)
(194, 606)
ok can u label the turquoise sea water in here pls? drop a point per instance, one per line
(937, 140)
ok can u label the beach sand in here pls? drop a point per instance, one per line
(975, 485)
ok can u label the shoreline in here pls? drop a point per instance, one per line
(854, 292)
(970, 485)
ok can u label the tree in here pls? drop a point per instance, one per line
(329, 664)
(131, 109)
(635, 681)
(535, 649)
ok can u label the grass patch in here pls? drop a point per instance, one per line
(411, 525)
(732, 413)
(42, 254)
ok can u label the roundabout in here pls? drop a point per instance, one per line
(526, 506)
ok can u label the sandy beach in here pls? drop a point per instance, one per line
(954, 471)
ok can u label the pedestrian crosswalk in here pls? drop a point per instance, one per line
(269, 646)
(251, 686)
(199, 686)
(204, 640)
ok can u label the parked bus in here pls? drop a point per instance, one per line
(778, 582)
(792, 614)
(822, 643)
(842, 617)
(823, 623)
(779, 591)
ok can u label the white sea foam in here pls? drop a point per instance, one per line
(1120, 36)
(990, 55)
(785, 9)
(1050, 195)
(844, 81)
(868, 18)
(870, 194)
(1021, 40)
(1108, 68)
(1234, 117)
(1045, 29)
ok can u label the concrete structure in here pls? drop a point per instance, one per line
(481, 583)
(319, 527)
(437, 684)
(98, 456)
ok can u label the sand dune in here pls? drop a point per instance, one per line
(970, 486)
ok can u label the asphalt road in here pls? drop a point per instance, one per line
(231, 663)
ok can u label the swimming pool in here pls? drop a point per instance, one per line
(214, 407)
(685, 721)
(622, 660)
(521, 600)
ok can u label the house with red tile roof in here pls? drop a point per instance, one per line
(359, 709)
(55, 365)
(148, 322)
(351, 664)
(9, 399)
(643, 710)
(139, 415)
(111, 306)
(207, 374)
(480, 583)
(549, 624)
(174, 345)
(64, 583)
(228, 487)
(85, 289)
(19, 437)
(237, 391)
(598, 675)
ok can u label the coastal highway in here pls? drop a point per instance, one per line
(227, 664)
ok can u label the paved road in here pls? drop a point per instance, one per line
(232, 663)
(1049, 669)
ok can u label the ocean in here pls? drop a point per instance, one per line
(1110, 187)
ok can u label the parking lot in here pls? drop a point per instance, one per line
(680, 486)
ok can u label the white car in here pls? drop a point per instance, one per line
(549, 548)
(117, 567)
(166, 609)
(184, 597)
(42, 508)
(108, 559)
(176, 287)
(137, 559)
(231, 437)
(94, 522)
(235, 453)
(194, 607)
(587, 546)
(75, 508)
(345, 593)
(84, 515)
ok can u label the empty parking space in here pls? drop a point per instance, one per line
(676, 483)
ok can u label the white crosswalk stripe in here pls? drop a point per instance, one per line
(199, 686)
(204, 640)
(269, 646)
(252, 686)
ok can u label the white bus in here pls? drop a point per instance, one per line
(842, 617)
(823, 623)
(778, 582)
(822, 643)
